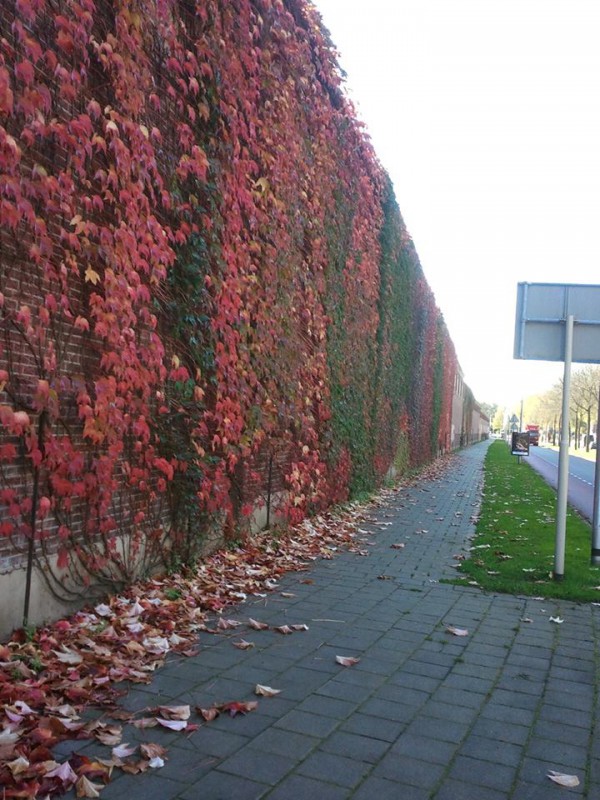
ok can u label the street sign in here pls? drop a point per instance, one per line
(542, 312)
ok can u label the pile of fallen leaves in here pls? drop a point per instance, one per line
(49, 678)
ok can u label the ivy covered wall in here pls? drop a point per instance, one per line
(203, 271)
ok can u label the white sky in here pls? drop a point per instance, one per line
(486, 115)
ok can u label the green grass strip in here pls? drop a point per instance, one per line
(513, 548)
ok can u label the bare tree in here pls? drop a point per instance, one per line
(585, 385)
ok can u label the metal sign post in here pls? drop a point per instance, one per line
(563, 459)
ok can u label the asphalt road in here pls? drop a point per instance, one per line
(581, 477)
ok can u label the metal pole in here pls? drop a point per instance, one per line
(521, 417)
(563, 460)
(596, 518)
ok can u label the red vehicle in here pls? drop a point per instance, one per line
(534, 434)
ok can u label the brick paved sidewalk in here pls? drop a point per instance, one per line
(424, 714)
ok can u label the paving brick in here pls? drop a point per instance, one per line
(360, 748)
(310, 724)
(483, 773)
(274, 706)
(258, 765)
(375, 727)
(150, 786)
(566, 755)
(434, 728)
(344, 691)
(388, 709)
(409, 770)
(210, 741)
(500, 731)
(301, 787)
(221, 786)
(468, 683)
(245, 725)
(285, 743)
(300, 682)
(220, 690)
(523, 683)
(497, 752)
(375, 666)
(328, 706)
(411, 680)
(574, 717)
(413, 666)
(560, 732)
(360, 678)
(219, 657)
(334, 768)
(507, 714)
(515, 699)
(446, 694)
(453, 789)
(577, 702)
(446, 711)
(434, 751)
(374, 787)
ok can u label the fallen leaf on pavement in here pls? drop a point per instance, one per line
(64, 772)
(227, 624)
(67, 656)
(85, 788)
(111, 735)
(347, 661)
(9, 737)
(266, 691)
(172, 724)
(123, 750)
(134, 767)
(145, 722)
(18, 766)
(243, 644)
(152, 750)
(157, 645)
(208, 714)
(457, 631)
(258, 626)
(562, 779)
(172, 712)
(238, 707)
